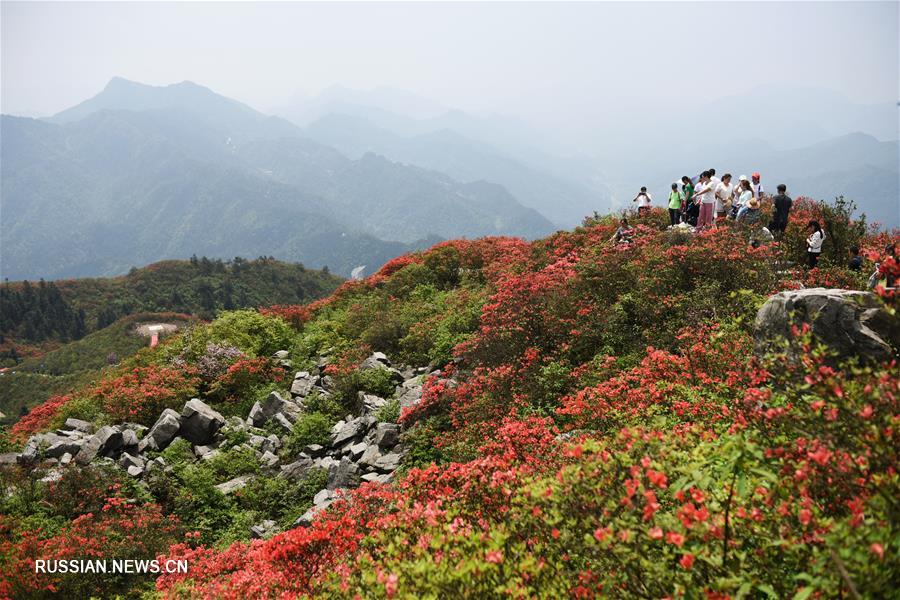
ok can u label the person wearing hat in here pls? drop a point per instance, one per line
(758, 191)
(744, 199)
(749, 215)
(675, 199)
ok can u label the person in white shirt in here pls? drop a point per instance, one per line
(706, 193)
(758, 191)
(644, 199)
(715, 181)
(814, 243)
(724, 193)
(738, 190)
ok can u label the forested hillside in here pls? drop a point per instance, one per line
(675, 415)
(68, 309)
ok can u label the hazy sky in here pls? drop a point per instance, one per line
(524, 59)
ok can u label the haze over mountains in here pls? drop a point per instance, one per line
(138, 173)
(814, 140)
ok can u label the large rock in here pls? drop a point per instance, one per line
(264, 530)
(370, 403)
(199, 422)
(387, 435)
(79, 425)
(388, 462)
(345, 474)
(163, 431)
(268, 408)
(354, 429)
(853, 324)
(298, 469)
(303, 384)
(376, 360)
(233, 485)
(105, 442)
(50, 445)
(411, 396)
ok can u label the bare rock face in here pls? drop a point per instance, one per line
(199, 422)
(163, 431)
(853, 324)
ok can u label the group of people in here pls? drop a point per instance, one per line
(705, 200)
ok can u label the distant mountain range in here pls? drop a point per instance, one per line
(817, 142)
(140, 173)
(350, 178)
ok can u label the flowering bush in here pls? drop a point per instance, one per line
(599, 426)
(237, 384)
(139, 395)
(119, 530)
(216, 360)
(39, 418)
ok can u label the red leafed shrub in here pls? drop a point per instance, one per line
(120, 530)
(242, 376)
(140, 394)
(270, 569)
(297, 315)
(39, 418)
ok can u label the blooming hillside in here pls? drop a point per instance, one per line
(596, 424)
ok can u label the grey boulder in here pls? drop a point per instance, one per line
(387, 435)
(344, 474)
(105, 442)
(163, 431)
(199, 422)
(851, 323)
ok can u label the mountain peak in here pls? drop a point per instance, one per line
(124, 94)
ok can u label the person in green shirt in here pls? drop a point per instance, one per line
(689, 209)
(675, 199)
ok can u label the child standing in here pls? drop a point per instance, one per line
(675, 199)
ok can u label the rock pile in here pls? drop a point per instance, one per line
(360, 448)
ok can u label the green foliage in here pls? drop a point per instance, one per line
(324, 404)
(311, 428)
(231, 463)
(378, 381)
(390, 412)
(82, 408)
(842, 230)
(252, 333)
(419, 442)
(280, 499)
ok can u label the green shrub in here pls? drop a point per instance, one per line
(311, 428)
(252, 333)
(179, 454)
(231, 463)
(389, 413)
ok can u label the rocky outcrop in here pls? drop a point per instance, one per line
(360, 449)
(853, 324)
(199, 422)
(163, 431)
